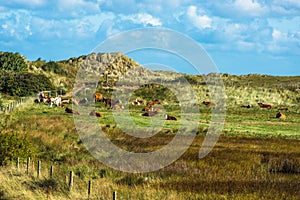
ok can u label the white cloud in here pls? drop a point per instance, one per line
(237, 9)
(142, 18)
(146, 19)
(199, 21)
(278, 36)
(4, 26)
(248, 5)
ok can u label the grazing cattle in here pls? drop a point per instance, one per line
(37, 101)
(153, 103)
(117, 107)
(54, 100)
(98, 97)
(147, 109)
(286, 109)
(69, 110)
(168, 117)
(137, 102)
(262, 105)
(65, 101)
(83, 101)
(280, 116)
(97, 114)
(152, 109)
(208, 103)
(248, 106)
(149, 114)
(107, 102)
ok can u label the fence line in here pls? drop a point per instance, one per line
(36, 169)
(13, 105)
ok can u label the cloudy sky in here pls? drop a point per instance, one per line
(241, 36)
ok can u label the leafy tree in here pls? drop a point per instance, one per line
(23, 83)
(12, 62)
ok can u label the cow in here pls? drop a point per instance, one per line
(152, 109)
(286, 109)
(280, 116)
(153, 103)
(168, 117)
(65, 101)
(149, 114)
(54, 100)
(37, 101)
(117, 107)
(137, 102)
(262, 105)
(83, 101)
(97, 114)
(208, 103)
(248, 106)
(107, 102)
(69, 110)
(98, 97)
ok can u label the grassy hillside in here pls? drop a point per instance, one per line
(256, 157)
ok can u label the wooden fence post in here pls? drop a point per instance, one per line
(18, 163)
(28, 165)
(39, 169)
(51, 171)
(71, 180)
(89, 189)
(114, 195)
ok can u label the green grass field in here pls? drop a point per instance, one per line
(256, 157)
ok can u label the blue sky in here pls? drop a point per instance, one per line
(241, 36)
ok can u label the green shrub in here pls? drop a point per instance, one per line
(23, 83)
(12, 146)
(12, 62)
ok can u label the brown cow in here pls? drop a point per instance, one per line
(262, 105)
(153, 103)
(286, 109)
(69, 110)
(98, 97)
(97, 114)
(280, 116)
(208, 103)
(168, 117)
(150, 114)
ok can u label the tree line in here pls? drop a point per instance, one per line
(15, 80)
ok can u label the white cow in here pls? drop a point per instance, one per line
(55, 100)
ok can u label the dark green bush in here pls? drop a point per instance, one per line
(23, 83)
(12, 62)
(12, 146)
